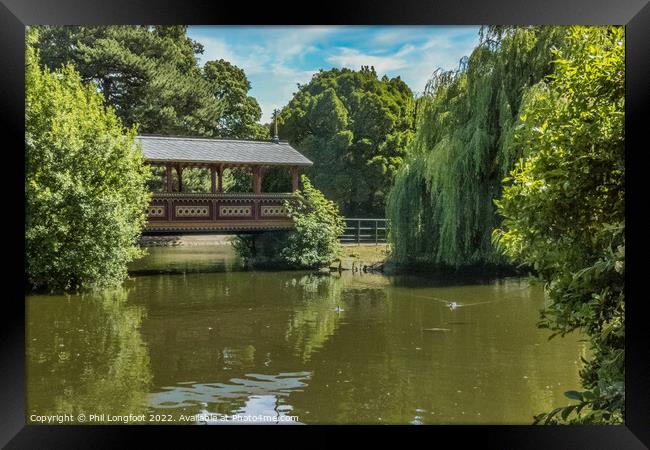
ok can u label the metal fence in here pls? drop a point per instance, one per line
(364, 231)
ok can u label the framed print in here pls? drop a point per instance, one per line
(374, 216)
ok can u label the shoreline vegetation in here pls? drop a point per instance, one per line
(352, 257)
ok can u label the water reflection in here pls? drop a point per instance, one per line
(85, 353)
(317, 316)
(252, 395)
(185, 259)
(326, 348)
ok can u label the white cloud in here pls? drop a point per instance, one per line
(214, 49)
(354, 59)
(274, 58)
(436, 53)
(396, 36)
(268, 64)
(415, 63)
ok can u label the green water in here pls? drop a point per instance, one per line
(321, 348)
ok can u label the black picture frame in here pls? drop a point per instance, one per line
(634, 14)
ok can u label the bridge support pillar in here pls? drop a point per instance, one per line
(213, 177)
(179, 171)
(295, 179)
(168, 173)
(257, 180)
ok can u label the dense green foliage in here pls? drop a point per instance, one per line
(241, 113)
(85, 182)
(312, 244)
(151, 76)
(356, 129)
(440, 207)
(564, 210)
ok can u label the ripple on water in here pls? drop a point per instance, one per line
(253, 395)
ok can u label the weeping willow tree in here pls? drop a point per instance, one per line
(441, 205)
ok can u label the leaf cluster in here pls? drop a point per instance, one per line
(356, 128)
(85, 185)
(563, 209)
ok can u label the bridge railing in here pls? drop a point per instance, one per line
(217, 212)
(364, 231)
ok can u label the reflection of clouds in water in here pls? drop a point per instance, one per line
(257, 390)
(266, 406)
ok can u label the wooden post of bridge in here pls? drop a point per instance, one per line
(257, 179)
(168, 173)
(220, 173)
(295, 179)
(179, 171)
(213, 179)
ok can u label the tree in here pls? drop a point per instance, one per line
(312, 244)
(441, 205)
(564, 212)
(241, 112)
(149, 75)
(356, 129)
(84, 182)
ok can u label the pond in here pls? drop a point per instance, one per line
(295, 347)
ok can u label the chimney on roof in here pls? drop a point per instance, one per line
(275, 139)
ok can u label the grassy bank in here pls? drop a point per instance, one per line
(356, 257)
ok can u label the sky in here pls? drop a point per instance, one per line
(276, 58)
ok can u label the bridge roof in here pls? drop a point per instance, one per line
(228, 151)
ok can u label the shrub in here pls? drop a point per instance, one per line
(84, 186)
(312, 244)
(564, 211)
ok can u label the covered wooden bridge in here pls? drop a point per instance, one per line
(176, 210)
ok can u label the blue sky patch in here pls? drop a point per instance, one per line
(276, 58)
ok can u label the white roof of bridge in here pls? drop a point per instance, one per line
(229, 151)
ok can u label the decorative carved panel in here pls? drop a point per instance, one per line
(234, 211)
(192, 211)
(185, 212)
(156, 211)
(274, 211)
